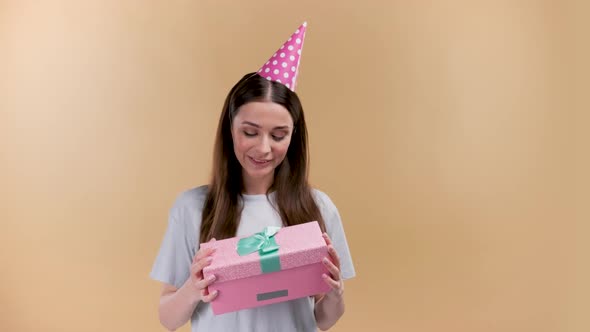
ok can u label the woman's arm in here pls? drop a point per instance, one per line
(177, 305)
(329, 307)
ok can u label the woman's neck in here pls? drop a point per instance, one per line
(257, 186)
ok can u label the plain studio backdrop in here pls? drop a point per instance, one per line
(452, 136)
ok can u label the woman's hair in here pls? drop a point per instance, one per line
(294, 200)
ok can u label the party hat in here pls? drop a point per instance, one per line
(283, 66)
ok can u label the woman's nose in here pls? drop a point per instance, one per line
(264, 144)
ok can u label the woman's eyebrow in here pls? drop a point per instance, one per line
(251, 124)
(258, 126)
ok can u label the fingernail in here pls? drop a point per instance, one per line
(325, 276)
(325, 260)
(212, 277)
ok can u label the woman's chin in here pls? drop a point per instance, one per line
(260, 173)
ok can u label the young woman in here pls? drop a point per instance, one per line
(260, 178)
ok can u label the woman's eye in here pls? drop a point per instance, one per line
(278, 138)
(249, 134)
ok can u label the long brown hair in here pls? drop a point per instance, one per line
(294, 198)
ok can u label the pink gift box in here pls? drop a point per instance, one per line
(242, 284)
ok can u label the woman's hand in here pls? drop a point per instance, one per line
(202, 259)
(329, 307)
(333, 279)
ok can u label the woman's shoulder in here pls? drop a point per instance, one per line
(191, 195)
(190, 201)
(324, 202)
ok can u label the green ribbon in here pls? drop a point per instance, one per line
(268, 249)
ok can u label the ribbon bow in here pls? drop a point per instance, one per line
(263, 242)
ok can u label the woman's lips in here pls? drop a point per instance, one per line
(259, 162)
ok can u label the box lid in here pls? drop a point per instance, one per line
(299, 245)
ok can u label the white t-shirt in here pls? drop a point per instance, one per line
(181, 242)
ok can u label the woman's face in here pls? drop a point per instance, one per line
(261, 133)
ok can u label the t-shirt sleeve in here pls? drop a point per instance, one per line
(336, 233)
(172, 264)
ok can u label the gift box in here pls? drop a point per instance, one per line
(275, 265)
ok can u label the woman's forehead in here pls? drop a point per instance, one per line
(264, 114)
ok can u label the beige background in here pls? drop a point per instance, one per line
(452, 135)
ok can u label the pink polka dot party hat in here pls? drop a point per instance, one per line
(283, 66)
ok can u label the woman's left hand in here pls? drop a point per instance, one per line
(333, 279)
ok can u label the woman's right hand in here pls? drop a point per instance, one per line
(202, 258)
